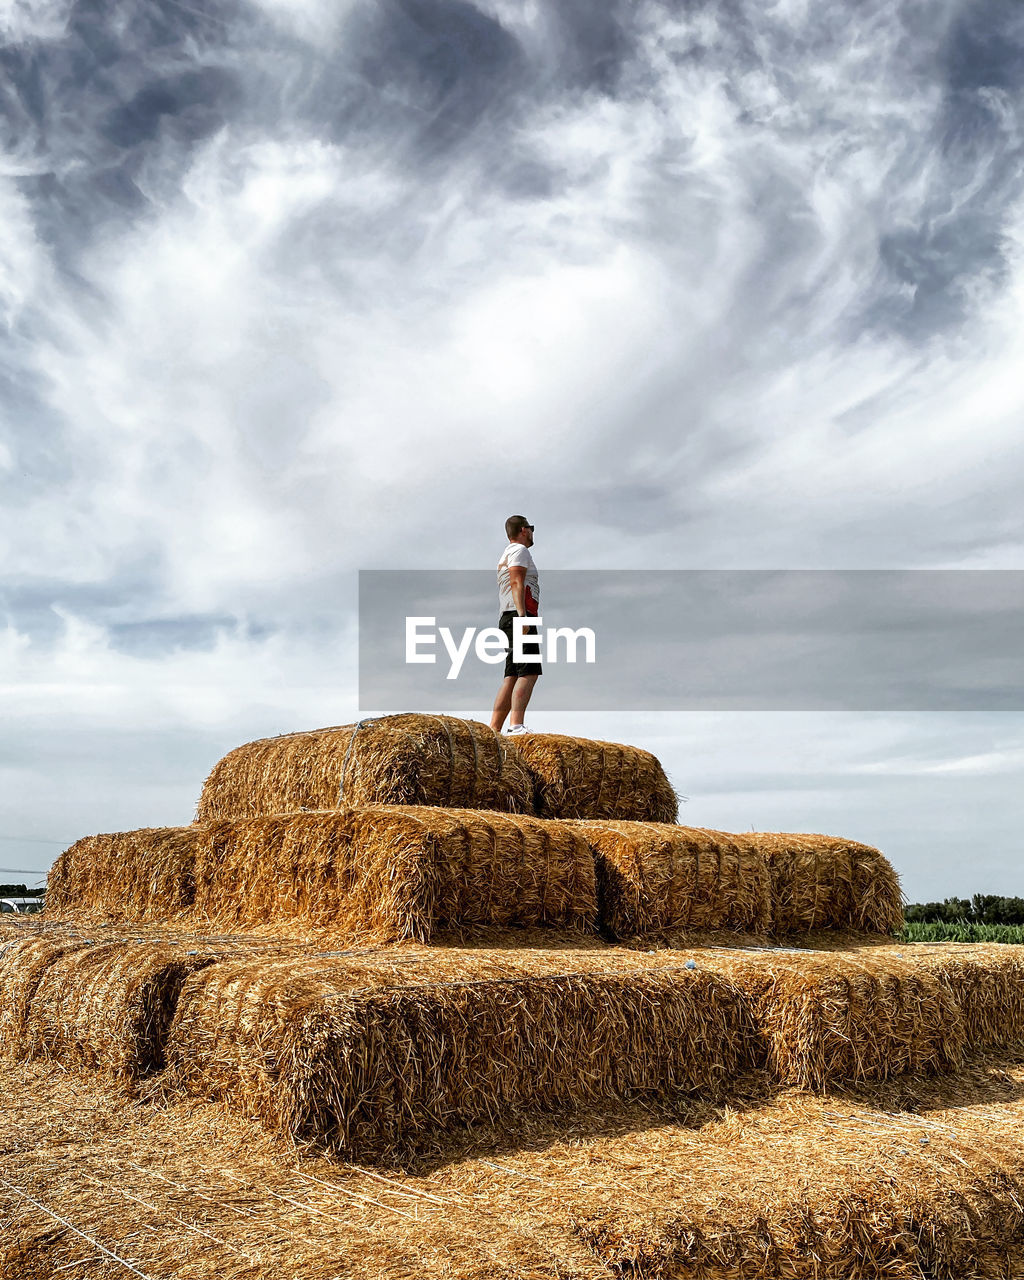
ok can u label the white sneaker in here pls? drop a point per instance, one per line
(516, 728)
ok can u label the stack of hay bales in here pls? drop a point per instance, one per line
(374, 873)
(388, 940)
(369, 1058)
(411, 827)
(425, 832)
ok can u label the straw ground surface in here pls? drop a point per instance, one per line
(404, 759)
(91, 1187)
(381, 1055)
(824, 881)
(804, 1188)
(580, 778)
(801, 1188)
(654, 878)
(386, 872)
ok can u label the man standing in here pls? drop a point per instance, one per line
(518, 595)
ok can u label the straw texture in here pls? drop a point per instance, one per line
(579, 778)
(806, 1191)
(144, 875)
(314, 1052)
(404, 759)
(396, 873)
(24, 960)
(803, 1188)
(387, 872)
(657, 877)
(830, 1020)
(987, 982)
(103, 1006)
(821, 882)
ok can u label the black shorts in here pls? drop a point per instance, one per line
(519, 668)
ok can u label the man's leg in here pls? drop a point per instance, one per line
(502, 703)
(521, 697)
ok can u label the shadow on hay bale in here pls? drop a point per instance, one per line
(104, 1006)
(403, 759)
(376, 1059)
(655, 878)
(580, 778)
(383, 872)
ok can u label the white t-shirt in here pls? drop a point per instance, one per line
(516, 554)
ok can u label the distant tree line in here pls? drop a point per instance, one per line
(19, 891)
(982, 908)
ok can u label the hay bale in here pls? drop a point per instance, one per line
(404, 759)
(381, 872)
(109, 1007)
(827, 1019)
(103, 1006)
(578, 778)
(23, 961)
(144, 875)
(987, 981)
(394, 872)
(315, 1052)
(657, 877)
(825, 882)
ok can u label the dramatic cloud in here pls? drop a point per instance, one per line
(298, 287)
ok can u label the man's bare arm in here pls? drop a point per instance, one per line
(517, 581)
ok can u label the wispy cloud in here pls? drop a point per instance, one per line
(292, 288)
(1002, 761)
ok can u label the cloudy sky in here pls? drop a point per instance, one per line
(290, 288)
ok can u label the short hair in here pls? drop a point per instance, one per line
(514, 526)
